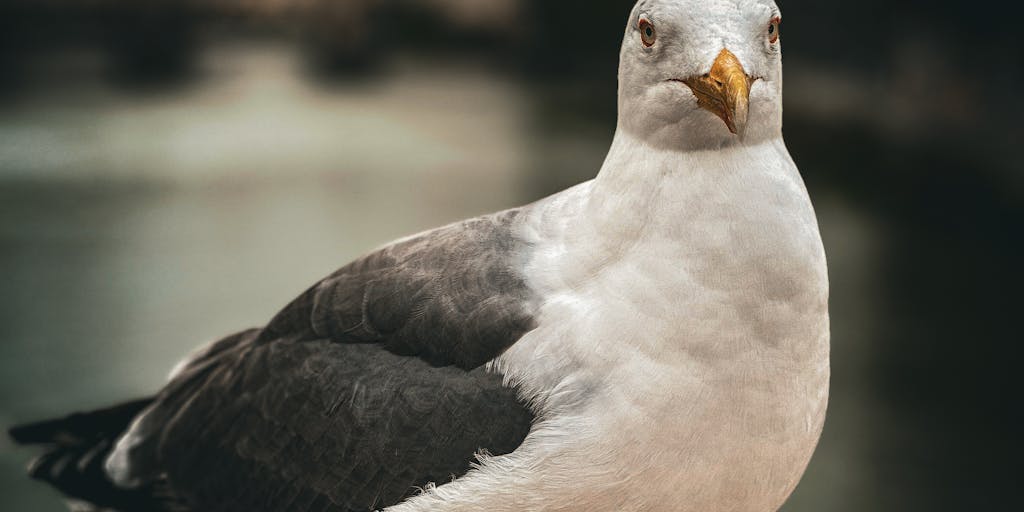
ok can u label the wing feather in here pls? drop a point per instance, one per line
(365, 388)
(349, 424)
(452, 296)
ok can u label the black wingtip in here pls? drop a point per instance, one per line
(43, 432)
(75, 449)
(27, 434)
(78, 428)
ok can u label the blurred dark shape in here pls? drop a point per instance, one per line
(146, 42)
(907, 113)
(150, 41)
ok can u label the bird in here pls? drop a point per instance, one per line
(654, 339)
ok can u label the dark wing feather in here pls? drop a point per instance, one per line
(452, 296)
(365, 387)
(311, 425)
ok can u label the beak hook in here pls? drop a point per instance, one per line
(725, 91)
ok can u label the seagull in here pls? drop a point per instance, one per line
(656, 339)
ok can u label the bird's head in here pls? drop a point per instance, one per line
(698, 74)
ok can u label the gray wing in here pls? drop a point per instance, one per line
(363, 389)
(453, 296)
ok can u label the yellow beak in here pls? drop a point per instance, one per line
(725, 91)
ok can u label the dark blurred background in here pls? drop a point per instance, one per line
(174, 170)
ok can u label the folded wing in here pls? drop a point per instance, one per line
(363, 389)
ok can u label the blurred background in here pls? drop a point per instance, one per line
(174, 170)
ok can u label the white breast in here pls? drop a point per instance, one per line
(683, 360)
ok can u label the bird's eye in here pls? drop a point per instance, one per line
(773, 30)
(647, 33)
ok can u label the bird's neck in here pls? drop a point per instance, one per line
(643, 189)
(727, 208)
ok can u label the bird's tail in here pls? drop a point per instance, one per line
(76, 448)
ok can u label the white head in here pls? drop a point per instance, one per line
(701, 74)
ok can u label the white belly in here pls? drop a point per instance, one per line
(682, 374)
(663, 419)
